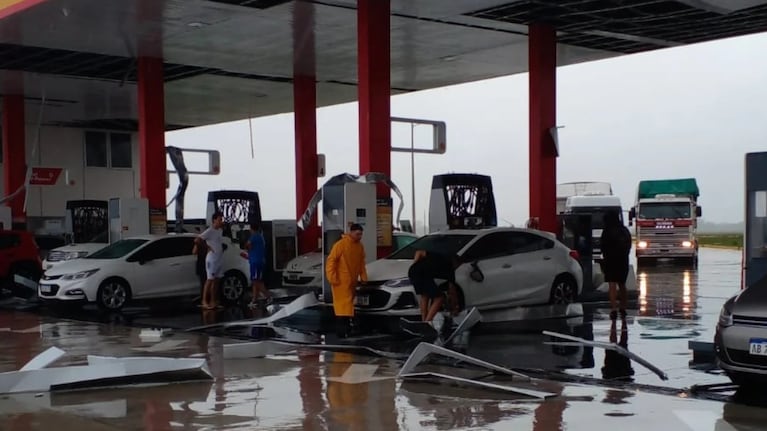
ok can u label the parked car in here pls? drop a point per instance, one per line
(499, 268)
(75, 251)
(19, 255)
(144, 267)
(741, 337)
(306, 270)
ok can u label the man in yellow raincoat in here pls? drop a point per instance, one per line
(345, 267)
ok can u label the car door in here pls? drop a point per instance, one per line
(533, 258)
(162, 268)
(486, 274)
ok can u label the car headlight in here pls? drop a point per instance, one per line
(642, 244)
(686, 244)
(79, 275)
(398, 282)
(725, 316)
(75, 255)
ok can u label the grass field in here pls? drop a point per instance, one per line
(726, 240)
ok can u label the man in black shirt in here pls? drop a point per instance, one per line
(427, 267)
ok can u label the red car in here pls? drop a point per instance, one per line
(19, 255)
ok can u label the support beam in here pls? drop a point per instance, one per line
(151, 130)
(542, 58)
(374, 64)
(305, 119)
(14, 155)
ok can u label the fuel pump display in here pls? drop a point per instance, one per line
(86, 219)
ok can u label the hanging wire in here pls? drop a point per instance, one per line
(250, 127)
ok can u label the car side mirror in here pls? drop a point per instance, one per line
(631, 222)
(698, 211)
(632, 213)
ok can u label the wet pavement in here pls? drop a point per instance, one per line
(316, 390)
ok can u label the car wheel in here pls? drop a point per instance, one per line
(113, 294)
(564, 290)
(233, 286)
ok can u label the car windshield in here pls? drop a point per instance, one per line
(597, 214)
(443, 243)
(118, 249)
(664, 210)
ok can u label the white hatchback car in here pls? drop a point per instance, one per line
(500, 268)
(306, 270)
(143, 267)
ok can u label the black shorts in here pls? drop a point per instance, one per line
(615, 272)
(423, 275)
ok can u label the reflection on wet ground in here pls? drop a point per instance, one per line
(303, 391)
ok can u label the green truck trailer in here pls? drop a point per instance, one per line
(665, 217)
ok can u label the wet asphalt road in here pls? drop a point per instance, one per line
(298, 391)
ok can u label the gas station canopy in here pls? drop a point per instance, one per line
(227, 60)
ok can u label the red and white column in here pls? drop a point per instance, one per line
(373, 67)
(542, 58)
(151, 130)
(305, 119)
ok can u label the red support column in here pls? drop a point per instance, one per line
(543, 116)
(374, 74)
(305, 119)
(14, 154)
(151, 130)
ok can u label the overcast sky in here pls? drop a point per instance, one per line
(692, 111)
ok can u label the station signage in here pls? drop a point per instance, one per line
(45, 176)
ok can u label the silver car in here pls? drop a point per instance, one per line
(741, 336)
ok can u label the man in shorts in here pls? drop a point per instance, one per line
(427, 267)
(214, 239)
(257, 258)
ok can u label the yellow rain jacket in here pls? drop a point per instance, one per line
(344, 268)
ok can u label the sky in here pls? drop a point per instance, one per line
(691, 111)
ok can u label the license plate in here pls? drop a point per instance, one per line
(293, 277)
(45, 288)
(757, 346)
(362, 300)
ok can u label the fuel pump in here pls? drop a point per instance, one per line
(461, 201)
(86, 219)
(128, 217)
(755, 238)
(239, 207)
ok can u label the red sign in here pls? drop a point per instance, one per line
(45, 176)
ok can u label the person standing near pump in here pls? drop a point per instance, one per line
(616, 247)
(257, 258)
(214, 239)
(428, 266)
(345, 268)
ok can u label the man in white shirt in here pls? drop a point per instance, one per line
(214, 238)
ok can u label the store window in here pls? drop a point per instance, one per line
(108, 150)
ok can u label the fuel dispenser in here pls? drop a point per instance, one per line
(755, 238)
(575, 232)
(239, 207)
(86, 219)
(128, 217)
(284, 235)
(461, 201)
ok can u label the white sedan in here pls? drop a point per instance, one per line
(500, 268)
(143, 267)
(306, 270)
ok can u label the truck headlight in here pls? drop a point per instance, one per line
(686, 244)
(642, 244)
(80, 275)
(398, 282)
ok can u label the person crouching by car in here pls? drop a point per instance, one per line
(427, 267)
(345, 268)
